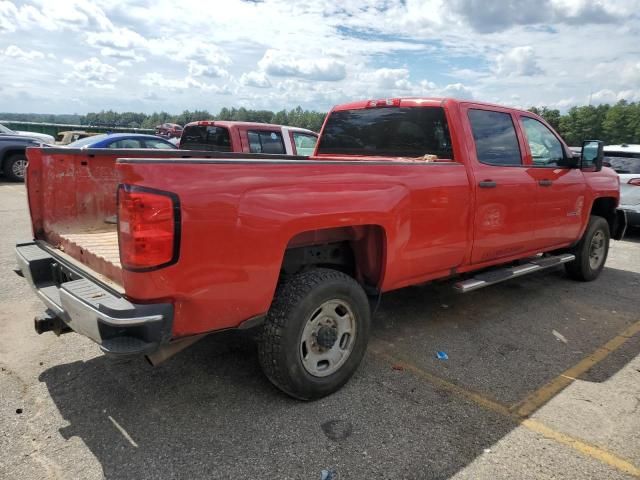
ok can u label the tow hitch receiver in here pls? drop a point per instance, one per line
(47, 323)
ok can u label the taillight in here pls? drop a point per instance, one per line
(148, 228)
(634, 181)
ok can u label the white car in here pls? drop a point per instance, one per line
(625, 159)
(43, 137)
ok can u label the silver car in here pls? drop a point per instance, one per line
(625, 159)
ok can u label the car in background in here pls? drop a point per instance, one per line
(123, 140)
(247, 137)
(625, 160)
(42, 137)
(13, 161)
(70, 136)
(169, 130)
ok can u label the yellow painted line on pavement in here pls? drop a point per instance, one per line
(381, 349)
(541, 396)
(592, 451)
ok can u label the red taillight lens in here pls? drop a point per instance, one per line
(148, 228)
(634, 181)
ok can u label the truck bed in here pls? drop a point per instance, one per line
(97, 249)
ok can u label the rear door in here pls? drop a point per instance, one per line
(560, 189)
(505, 192)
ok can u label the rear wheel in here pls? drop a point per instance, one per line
(591, 252)
(15, 167)
(315, 334)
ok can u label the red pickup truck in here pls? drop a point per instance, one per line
(149, 256)
(248, 137)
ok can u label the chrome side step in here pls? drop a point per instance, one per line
(492, 277)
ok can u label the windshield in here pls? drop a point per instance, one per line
(622, 162)
(4, 129)
(392, 132)
(83, 142)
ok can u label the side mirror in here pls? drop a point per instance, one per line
(592, 155)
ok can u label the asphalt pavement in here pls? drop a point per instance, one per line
(541, 381)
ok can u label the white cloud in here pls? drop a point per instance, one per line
(255, 79)
(517, 61)
(391, 78)
(284, 64)
(13, 51)
(92, 72)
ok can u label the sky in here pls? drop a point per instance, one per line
(77, 56)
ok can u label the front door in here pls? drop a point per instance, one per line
(505, 193)
(560, 189)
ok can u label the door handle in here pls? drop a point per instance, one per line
(487, 184)
(545, 183)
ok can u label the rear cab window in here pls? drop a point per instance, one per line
(495, 137)
(414, 132)
(206, 137)
(265, 141)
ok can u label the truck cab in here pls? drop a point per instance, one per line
(248, 137)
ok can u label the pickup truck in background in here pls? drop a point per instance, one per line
(625, 160)
(399, 192)
(13, 159)
(247, 137)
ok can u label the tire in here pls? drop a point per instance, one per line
(14, 167)
(319, 314)
(591, 251)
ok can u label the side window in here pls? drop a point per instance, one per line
(126, 143)
(265, 142)
(157, 144)
(546, 149)
(304, 143)
(495, 138)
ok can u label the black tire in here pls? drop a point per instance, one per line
(9, 167)
(584, 267)
(295, 305)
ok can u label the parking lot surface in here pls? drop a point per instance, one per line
(542, 380)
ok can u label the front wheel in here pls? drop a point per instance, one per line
(15, 167)
(591, 252)
(315, 334)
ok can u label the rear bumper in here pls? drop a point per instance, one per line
(91, 308)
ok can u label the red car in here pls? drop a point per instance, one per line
(399, 192)
(169, 130)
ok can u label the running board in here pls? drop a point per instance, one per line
(500, 275)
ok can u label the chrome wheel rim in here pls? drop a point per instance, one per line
(596, 250)
(19, 168)
(328, 338)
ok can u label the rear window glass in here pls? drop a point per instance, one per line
(622, 162)
(265, 142)
(391, 132)
(201, 137)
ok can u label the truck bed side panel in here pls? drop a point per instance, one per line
(238, 218)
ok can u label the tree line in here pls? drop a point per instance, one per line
(296, 117)
(619, 123)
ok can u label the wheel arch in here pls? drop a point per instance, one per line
(359, 251)
(606, 207)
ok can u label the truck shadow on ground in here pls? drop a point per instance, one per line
(210, 413)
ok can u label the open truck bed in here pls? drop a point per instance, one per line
(72, 198)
